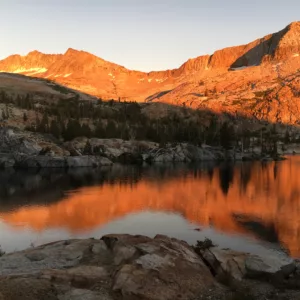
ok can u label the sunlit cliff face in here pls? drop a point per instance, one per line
(247, 199)
(259, 80)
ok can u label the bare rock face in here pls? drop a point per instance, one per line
(225, 262)
(34, 59)
(12, 143)
(126, 267)
(24, 150)
(167, 269)
(115, 267)
(288, 43)
(259, 79)
(195, 64)
(138, 151)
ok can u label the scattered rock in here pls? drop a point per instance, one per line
(133, 152)
(41, 161)
(7, 162)
(240, 265)
(31, 150)
(268, 266)
(87, 161)
(225, 262)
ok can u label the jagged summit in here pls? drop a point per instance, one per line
(295, 25)
(72, 51)
(251, 53)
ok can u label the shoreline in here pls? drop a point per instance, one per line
(27, 150)
(21, 161)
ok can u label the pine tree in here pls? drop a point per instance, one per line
(54, 128)
(6, 112)
(111, 129)
(19, 101)
(287, 138)
(73, 130)
(43, 126)
(99, 131)
(86, 130)
(3, 115)
(25, 118)
(226, 135)
(212, 134)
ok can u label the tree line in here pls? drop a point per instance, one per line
(70, 118)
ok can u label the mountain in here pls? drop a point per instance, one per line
(260, 79)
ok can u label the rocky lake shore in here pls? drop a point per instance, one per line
(118, 267)
(21, 149)
(138, 267)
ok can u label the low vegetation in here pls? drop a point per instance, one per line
(1, 252)
(203, 245)
(68, 119)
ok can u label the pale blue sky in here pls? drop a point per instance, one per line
(139, 34)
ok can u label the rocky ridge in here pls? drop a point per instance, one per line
(138, 267)
(259, 79)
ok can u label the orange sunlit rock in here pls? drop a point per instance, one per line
(230, 80)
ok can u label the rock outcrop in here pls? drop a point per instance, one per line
(25, 150)
(21, 149)
(115, 267)
(118, 267)
(225, 262)
(123, 151)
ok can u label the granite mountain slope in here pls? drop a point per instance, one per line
(260, 79)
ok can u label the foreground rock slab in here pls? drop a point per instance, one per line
(115, 267)
(238, 265)
(126, 267)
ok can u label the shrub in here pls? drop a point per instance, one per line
(1, 252)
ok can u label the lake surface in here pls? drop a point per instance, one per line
(253, 207)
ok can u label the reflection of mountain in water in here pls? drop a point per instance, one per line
(262, 231)
(258, 199)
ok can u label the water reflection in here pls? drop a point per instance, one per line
(246, 206)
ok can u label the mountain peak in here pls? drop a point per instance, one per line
(80, 54)
(34, 52)
(71, 51)
(88, 73)
(295, 25)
